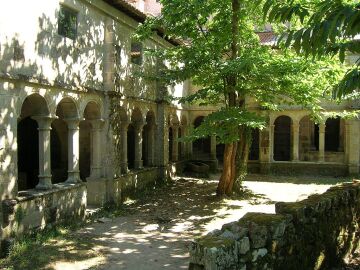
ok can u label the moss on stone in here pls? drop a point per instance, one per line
(210, 241)
(262, 218)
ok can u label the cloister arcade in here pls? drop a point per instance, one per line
(67, 141)
(59, 147)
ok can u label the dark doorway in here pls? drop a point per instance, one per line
(131, 146)
(254, 148)
(332, 134)
(282, 138)
(85, 150)
(28, 154)
(201, 146)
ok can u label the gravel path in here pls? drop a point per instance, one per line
(155, 230)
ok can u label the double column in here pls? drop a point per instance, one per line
(73, 151)
(322, 127)
(151, 144)
(124, 156)
(138, 162)
(96, 170)
(295, 140)
(44, 128)
(175, 144)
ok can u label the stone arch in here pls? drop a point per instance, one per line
(65, 142)
(90, 141)
(67, 109)
(33, 107)
(282, 138)
(95, 104)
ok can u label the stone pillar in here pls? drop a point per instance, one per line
(352, 131)
(73, 150)
(322, 142)
(295, 141)
(151, 144)
(175, 144)
(96, 146)
(123, 135)
(272, 142)
(265, 150)
(190, 143)
(138, 162)
(44, 123)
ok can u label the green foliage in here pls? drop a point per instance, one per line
(268, 76)
(330, 28)
(225, 124)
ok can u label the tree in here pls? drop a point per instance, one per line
(221, 53)
(328, 27)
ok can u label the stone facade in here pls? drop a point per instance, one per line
(74, 112)
(317, 233)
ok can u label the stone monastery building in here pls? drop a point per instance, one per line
(78, 127)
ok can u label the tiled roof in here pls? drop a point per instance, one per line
(128, 9)
(267, 38)
(137, 15)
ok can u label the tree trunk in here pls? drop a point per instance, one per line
(227, 178)
(242, 157)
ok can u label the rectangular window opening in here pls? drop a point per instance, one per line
(67, 22)
(136, 53)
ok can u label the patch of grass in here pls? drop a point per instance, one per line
(39, 250)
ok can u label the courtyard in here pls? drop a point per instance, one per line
(154, 230)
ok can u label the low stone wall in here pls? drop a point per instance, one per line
(316, 233)
(34, 209)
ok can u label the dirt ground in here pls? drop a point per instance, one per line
(154, 231)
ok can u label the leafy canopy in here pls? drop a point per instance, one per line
(263, 74)
(329, 27)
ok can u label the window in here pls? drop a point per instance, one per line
(136, 53)
(67, 22)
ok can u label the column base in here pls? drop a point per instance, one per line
(353, 169)
(265, 167)
(73, 177)
(124, 168)
(138, 164)
(44, 183)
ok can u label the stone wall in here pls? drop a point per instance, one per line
(34, 209)
(316, 233)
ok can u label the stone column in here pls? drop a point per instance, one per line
(352, 130)
(73, 150)
(272, 142)
(96, 146)
(190, 143)
(265, 149)
(138, 162)
(213, 147)
(295, 141)
(322, 142)
(151, 144)
(175, 144)
(124, 160)
(44, 123)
